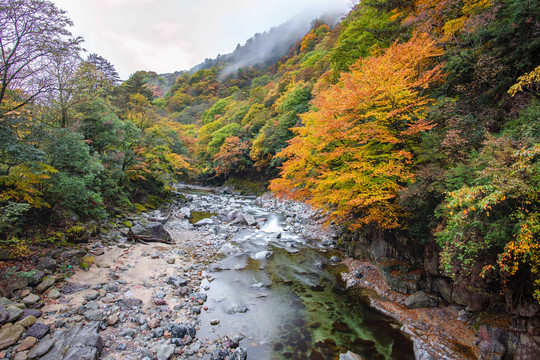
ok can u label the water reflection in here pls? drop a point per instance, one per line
(297, 307)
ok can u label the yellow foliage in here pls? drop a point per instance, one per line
(22, 184)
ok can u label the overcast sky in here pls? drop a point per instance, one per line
(170, 35)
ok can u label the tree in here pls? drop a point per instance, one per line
(355, 152)
(32, 32)
(107, 74)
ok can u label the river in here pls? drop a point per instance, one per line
(283, 293)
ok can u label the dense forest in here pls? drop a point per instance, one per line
(410, 117)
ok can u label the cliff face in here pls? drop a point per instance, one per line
(508, 328)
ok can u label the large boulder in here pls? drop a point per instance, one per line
(152, 229)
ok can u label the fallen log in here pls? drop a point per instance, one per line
(144, 239)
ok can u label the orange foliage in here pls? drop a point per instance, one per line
(231, 155)
(353, 154)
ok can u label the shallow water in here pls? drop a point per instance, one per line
(297, 305)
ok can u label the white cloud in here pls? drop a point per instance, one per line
(171, 35)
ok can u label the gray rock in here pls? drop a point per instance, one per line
(203, 222)
(127, 332)
(30, 299)
(335, 259)
(350, 356)
(77, 343)
(181, 330)
(165, 352)
(177, 281)
(4, 316)
(249, 220)
(41, 348)
(32, 312)
(157, 230)
(132, 302)
(93, 315)
(237, 309)
(54, 293)
(421, 300)
(46, 263)
(239, 354)
(92, 305)
(45, 284)
(420, 352)
(219, 355)
(14, 313)
(10, 336)
(38, 330)
(92, 295)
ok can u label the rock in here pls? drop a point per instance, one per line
(32, 312)
(41, 349)
(335, 259)
(4, 316)
(112, 320)
(54, 294)
(27, 343)
(92, 295)
(45, 284)
(249, 220)
(421, 300)
(181, 330)
(46, 263)
(38, 330)
(157, 230)
(219, 355)
(93, 315)
(77, 343)
(165, 352)
(30, 299)
(420, 352)
(20, 356)
(177, 281)
(203, 222)
(263, 255)
(239, 354)
(214, 322)
(10, 335)
(17, 283)
(350, 356)
(237, 309)
(14, 313)
(27, 321)
(127, 332)
(132, 302)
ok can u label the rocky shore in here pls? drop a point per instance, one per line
(129, 300)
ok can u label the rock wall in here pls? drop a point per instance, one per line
(409, 266)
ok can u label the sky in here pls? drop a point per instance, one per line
(172, 35)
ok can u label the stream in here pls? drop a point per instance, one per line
(283, 293)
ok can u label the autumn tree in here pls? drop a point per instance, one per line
(32, 32)
(354, 151)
